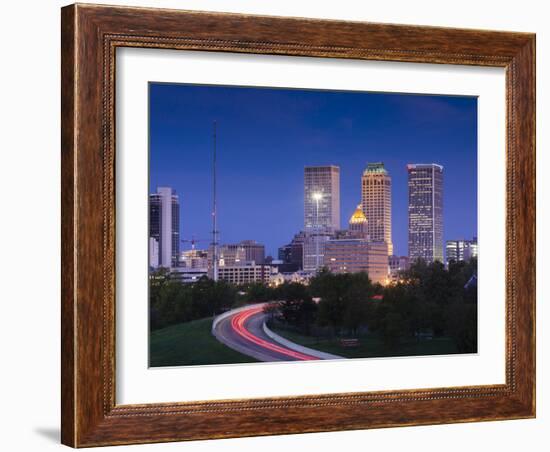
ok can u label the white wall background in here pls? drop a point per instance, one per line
(29, 230)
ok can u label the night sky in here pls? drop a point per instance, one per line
(266, 136)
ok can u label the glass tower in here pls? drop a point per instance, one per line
(321, 212)
(164, 225)
(425, 212)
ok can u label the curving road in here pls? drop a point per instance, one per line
(242, 330)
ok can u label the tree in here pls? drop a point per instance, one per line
(344, 299)
(173, 302)
(258, 292)
(296, 306)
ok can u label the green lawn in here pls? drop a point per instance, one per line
(371, 346)
(190, 343)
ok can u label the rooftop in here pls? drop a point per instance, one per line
(375, 168)
(358, 216)
(411, 166)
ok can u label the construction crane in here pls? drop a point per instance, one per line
(193, 241)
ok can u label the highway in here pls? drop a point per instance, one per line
(242, 331)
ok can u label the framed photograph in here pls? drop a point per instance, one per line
(281, 225)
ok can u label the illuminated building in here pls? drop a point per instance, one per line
(357, 255)
(164, 225)
(194, 259)
(242, 253)
(231, 255)
(314, 250)
(376, 203)
(471, 249)
(321, 198)
(460, 250)
(425, 212)
(153, 253)
(244, 274)
(188, 275)
(358, 224)
(321, 212)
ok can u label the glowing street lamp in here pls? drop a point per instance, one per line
(317, 196)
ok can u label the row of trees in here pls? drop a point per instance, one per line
(429, 299)
(172, 302)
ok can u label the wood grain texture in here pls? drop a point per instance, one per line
(90, 36)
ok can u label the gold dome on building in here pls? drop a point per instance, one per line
(358, 216)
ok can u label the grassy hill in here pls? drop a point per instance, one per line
(371, 346)
(190, 343)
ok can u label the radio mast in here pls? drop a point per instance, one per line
(215, 232)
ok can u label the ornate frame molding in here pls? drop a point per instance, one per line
(90, 37)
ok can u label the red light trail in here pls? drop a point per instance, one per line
(238, 325)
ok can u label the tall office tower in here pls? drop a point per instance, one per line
(321, 198)
(425, 212)
(321, 212)
(164, 225)
(376, 203)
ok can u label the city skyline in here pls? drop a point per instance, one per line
(274, 211)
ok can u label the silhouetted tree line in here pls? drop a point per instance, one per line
(428, 300)
(172, 302)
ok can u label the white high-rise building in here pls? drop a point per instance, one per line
(321, 212)
(153, 252)
(321, 198)
(164, 225)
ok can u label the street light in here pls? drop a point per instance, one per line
(317, 196)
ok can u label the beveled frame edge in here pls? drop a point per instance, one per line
(90, 35)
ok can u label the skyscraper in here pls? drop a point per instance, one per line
(376, 203)
(425, 212)
(321, 198)
(321, 212)
(164, 225)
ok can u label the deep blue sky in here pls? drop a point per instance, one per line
(266, 137)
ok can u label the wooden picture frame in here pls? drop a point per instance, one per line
(90, 36)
